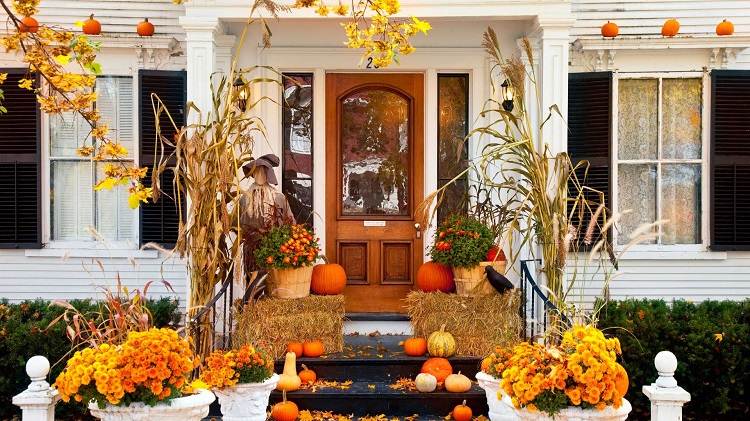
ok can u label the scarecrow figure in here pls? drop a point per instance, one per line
(263, 207)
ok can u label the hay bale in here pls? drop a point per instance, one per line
(271, 323)
(478, 323)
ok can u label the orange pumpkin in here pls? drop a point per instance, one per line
(295, 347)
(415, 347)
(308, 376)
(145, 28)
(462, 412)
(495, 253)
(92, 26)
(28, 24)
(433, 276)
(622, 382)
(438, 367)
(671, 28)
(285, 410)
(313, 348)
(725, 28)
(328, 279)
(610, 30)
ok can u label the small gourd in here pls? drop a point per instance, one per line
(441, 343)
(457, 383)
(425, 382)
(289, 380)
(307, 376)
(145, 28)
(415, 347)
(462, 412)
(91, 26)
(670, 28)
(724, 28)
(610, 30)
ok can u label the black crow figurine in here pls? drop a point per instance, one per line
(498, 280)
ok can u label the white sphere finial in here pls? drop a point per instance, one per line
(37, 367)
(666, 364)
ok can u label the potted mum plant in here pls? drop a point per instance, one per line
(578, 379)
(489, 377)
(144, 377)
(462, 243)
(242, 379)
(289, 253)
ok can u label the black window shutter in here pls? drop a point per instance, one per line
(159, 222)
(590, 139)
(20, 165)
(730, 160)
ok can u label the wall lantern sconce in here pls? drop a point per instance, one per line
(507, 93)
(241, 92)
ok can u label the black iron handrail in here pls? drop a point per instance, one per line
(535, 304)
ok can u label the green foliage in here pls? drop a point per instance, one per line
(287, 246)
(711, 340)
(551, 402)
(254, 374)
(461, 242)
(24, 333)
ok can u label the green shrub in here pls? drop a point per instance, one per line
(24, 333)
(711, 340)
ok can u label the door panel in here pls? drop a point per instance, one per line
(374, 180)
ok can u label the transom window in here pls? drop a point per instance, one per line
(659, 157)
(74, 206)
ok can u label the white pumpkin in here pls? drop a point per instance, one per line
(425, 382)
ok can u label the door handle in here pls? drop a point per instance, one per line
(418, 228)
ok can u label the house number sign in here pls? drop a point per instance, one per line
(370, 65)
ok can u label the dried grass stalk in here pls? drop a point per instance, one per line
(478, 323)
(271, 323)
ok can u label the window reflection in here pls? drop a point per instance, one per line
(297, 138)
(375, 153)
(453, 116)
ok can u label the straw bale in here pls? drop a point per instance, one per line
(271, 323)
(478, 323)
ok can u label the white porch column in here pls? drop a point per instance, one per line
(666, 397)
(552, 39)
(209, 51)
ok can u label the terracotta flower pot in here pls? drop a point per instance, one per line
(501, 409)
(187, 408)
(246, 402)
(290, 283)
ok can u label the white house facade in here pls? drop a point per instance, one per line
(649, 112)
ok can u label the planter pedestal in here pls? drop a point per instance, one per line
(246, 402)
(500, 409)
(187, 408)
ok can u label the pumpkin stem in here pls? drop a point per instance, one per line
(464, 402)
(442, 328)
(283, 394)
(324, 258)
(304, 366)
(91, 16)
(145, 19)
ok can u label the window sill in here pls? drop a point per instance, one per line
(673, 254)
(89, 251)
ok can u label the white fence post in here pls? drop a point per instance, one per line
(666, 397)
(38, 401)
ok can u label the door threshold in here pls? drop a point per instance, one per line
(377, 317)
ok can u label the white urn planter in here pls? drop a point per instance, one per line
(187, 408)
(578, 414)
(500, 409)
(247, 401)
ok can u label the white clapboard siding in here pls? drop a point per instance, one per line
(696, 280)
(116, 16)
(636, 17)
(28, 277)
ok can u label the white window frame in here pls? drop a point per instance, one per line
(703, 246)
(92, 244)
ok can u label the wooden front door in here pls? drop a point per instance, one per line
(374, 182)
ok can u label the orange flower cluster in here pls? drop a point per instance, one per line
(154, 365)
(584, 368)
(244, 365)
(288, 246)
(495, 363)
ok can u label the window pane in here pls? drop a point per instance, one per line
(297, 138)
(681, 203)
(637, 194)
(72, 196)
(681, 118)
(453, 126)
(68, 131)
(114, 218)
(375, 153)
(115, 104)
(637, 118)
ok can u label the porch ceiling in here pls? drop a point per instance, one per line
(237, 10)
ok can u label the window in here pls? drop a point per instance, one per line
(75, 207)
(453, 126)
(297, 136)
(659, 157)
